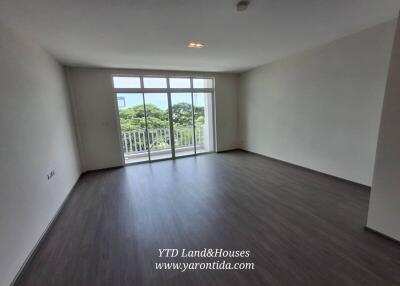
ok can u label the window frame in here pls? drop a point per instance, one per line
(169, 91)
(161, 90)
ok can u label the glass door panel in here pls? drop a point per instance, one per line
(182, 120)
(158, 126)
(203, 119)
(133, 127)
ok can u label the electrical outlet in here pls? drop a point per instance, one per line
(51, 174)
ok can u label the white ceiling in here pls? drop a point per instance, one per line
(153, 34)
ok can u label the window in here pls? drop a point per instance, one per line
(155, 82)
(126, 82)
(179, 83)
(202, 83)
(164, 117)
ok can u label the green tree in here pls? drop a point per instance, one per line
(182, 114)
(133, 118)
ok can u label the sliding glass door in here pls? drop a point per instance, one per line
(133, 127)
(162, 117)
(182, 119)
(157, 117)
(202, 106)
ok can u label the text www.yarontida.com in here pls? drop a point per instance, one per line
(205, 253)
(216, 265)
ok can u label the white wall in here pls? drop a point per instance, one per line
(37, 136)
(384, 204)
(320, 109)
(93, 99)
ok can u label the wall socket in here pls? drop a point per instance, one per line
(51, 174)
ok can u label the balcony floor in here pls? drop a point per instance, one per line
(159, 155)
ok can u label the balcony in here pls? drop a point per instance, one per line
(135, 143)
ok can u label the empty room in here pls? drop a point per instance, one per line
(199, 142)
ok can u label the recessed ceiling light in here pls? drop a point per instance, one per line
(196, 45)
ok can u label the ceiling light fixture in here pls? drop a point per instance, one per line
(242, 5)
(195, 45)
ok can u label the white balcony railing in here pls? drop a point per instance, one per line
(160, 139)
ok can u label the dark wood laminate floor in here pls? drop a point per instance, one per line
(302, 228)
